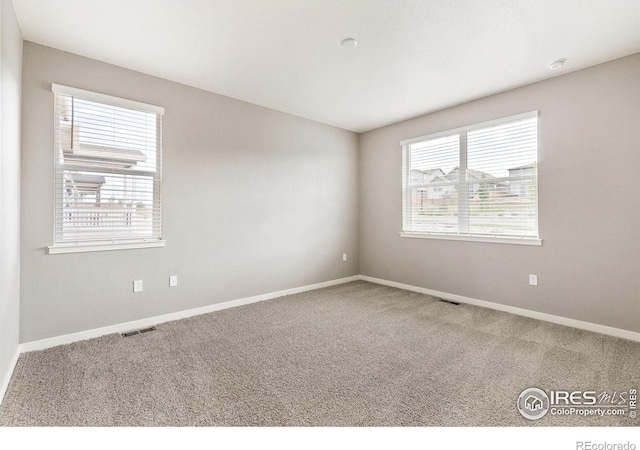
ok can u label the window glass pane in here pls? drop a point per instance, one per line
(502, 151)
(495, 196)
(435, 210)
(99, 206)
(503, 159)
(107, 172)
(124, 137)
(434, 199)
(433, 160)
(494, 211)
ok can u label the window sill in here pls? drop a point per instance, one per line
(103, 246)
(477, 238)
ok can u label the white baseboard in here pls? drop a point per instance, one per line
(588, 326)
(127, 326)
(7, 376)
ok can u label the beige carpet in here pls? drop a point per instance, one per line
(349, 355)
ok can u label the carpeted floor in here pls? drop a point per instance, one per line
(349, 355)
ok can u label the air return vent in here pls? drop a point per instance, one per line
(135, 332)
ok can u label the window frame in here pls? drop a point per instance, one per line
(406, 180)
(106, 244)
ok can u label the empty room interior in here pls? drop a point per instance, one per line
(320, 213)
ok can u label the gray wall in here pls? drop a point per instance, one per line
(255, 201)
(10, 91)
(589, 195)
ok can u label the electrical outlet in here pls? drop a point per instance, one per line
(533, 279)
(344, 256)
(137, 286)
(173, 280)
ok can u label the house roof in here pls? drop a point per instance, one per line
(526, 166)
(454, 174)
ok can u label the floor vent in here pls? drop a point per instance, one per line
(135, 332)
(448, 301)
(146, 330)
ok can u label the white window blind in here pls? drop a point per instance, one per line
(477, 181)
(108, 169)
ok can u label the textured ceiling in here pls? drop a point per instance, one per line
(412, 57)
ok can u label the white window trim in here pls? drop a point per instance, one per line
(101, 246)
(471, 237)
(474, 238)
(489, 123)
(108, 99)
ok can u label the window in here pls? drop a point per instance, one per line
(474, 183)
(108, 172)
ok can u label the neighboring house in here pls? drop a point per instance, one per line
(423, 193)
(472, 175)
(519, 187)
(425, 176)
(434, 186)
(441, 191)
(84, 184)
